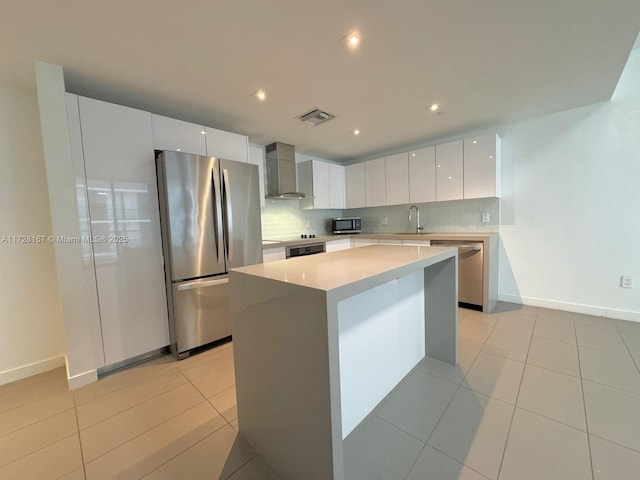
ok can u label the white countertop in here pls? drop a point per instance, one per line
(469, 236)
(351, 270)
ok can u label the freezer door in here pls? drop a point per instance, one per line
(192, 218)
(241, 205)
(202, 312)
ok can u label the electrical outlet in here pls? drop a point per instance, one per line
(308, 223)
(384, 220)
(486, 217)
(626, 281)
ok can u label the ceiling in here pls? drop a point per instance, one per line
(486, 62)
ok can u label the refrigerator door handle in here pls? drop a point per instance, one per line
(202, 284)
(218, 222)
(228, 213)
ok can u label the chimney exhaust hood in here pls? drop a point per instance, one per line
(281, 172)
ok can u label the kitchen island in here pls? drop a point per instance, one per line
(320, 340)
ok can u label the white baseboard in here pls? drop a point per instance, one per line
(24, 371)
(81, 379)
(572, 307)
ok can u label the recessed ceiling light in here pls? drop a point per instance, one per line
(450, 178)
(434, 107)
(352, 40)
(178, 149)
(203, 132)
(413, 154)
(475, 141)
(259, 95)
(356, 132)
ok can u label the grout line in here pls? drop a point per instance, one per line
(626, 346)
(584, 407)
(513, 414)
(627, 447)
(115, 414)
(458, 461)
(39, 449)
(147, 431)
(84, 468)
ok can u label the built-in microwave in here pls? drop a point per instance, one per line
(347, 225)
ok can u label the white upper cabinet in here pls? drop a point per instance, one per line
(337, 198)
(375, 183)
(355, 185)
(123, 207)
(179, 136)
(230, 146)
(397, 179)
(256, 157)
(422, 175)
(324, 181)
(449, 171)
(482, 166)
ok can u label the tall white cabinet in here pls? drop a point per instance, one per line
(177, 135)
(422, 175)
(482, 166)
(125, 225)
(397, 179)
(324, 181)
(375, 183)
(355, 185)
(449, 171)
(229, 145)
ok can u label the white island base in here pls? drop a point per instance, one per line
(320, 340)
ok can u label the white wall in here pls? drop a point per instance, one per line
(571, 206)
(32, 335)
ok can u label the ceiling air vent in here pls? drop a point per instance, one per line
(315, 117)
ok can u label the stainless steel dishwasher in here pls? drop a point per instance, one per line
(470, 271)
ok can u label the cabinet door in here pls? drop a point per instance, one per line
(481, 172)
(355, 185)
(123, 207)
(374, 177)
(422, 175)
(179, 136)
(397, 179)
(320, 179)
(335, 245)
(449, 171)
(336, 186)
(256, 157)
(273, 254)
(363, 242)
(227, 145)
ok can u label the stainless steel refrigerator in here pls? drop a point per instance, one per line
(210, 218)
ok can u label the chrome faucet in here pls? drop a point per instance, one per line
(419, 227)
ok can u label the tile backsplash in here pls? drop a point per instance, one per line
(284, 218)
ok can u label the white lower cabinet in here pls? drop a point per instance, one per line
(363, 242)
(384, 241)
(335, 245)
(273, 254)
(125, 227)
(417, 242)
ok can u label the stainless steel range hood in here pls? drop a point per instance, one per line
(281, 171)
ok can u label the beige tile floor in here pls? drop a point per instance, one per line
(537, 394)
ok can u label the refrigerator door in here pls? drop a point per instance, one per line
(241, 205)
(193, 217)
(203, 308)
